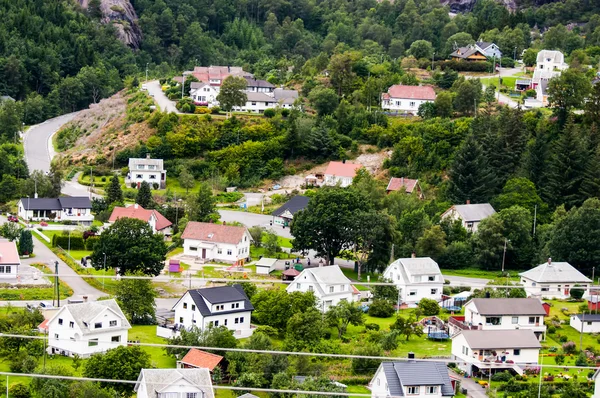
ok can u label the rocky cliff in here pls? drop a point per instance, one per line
(121, 14)
(461, 6)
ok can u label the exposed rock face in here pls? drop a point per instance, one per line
(123, 17)
(461, 6)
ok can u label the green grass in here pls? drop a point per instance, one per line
(79, 254)
(284, 242)
(256, 252)
(358, 390)
(147, 334)
(480, 273)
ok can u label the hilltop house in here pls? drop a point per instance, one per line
(411, 378)
(87, 328)
(216, 242)
(159, 223)
(468, 53)
(409, 185)
(174, 383)
(495, 350)
(501, 314)
(196, 358)
(9, 260)
(214, 306)
(469, 215)
(329, 285)
(553, 280)
(406, 99)
(416, 278)
(258, 86)
(214, 75)
(145, 169)
(285, 214)
(490, 50)
(340, 173)
(203, 94)
(549, 64)
(77, 209)
(585, 323)
(285, 98)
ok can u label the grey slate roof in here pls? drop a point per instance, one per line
(84, 314)
(474, 212)
(523, 82)
(251, 82)
(77, 202)
(465, 52)
(293, 205)
(589, 317)
(414, 373)
(491, 339)
(158, 163)
(259, 97)
(509, 306)
(157, 380)
(218, 295)
(64, 202)
(419, 266)
(555, 273)
(483, 44)
(285, 96)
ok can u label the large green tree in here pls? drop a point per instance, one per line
(136, 299)
(232, 93)
(144, 196)
(343, 314)
(275, 307)
(114, 193)
(568, 91)
(201, 207)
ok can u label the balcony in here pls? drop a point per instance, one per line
(459, 322)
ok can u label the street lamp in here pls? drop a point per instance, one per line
(506, 240)
(432, 59)
(103, 279)
(146, 71)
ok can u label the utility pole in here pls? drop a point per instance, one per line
(534, 219)
(581, 331)
(56, 283)
(103, 279)
(504, 254)
(182, 85)
(432, 60)
(515, 55)
(146, 71)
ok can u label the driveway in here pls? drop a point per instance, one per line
(253, 219)
(474, 390)
(503, 72)
(164, 103)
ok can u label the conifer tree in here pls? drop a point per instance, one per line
(114, 193)
(144, 196)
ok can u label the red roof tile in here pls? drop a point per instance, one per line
(201, 359)
(161, 221)
(291, 272)
(138, 212)
(9, 253)
(44, 325)
(396, 183)
(412, 92)
(209, 232)
(341, 169)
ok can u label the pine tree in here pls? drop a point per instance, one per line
(590, 185)
(25, 243)
(470, 175)
(202, 206)
(114, 193)
(144, 196)
(536, 163)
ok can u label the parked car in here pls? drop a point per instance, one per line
(45, 305)
(13, 218)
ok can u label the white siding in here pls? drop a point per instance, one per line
(507, 322)
(306, 283)
(333, 180)
(587, 327)
(550, 290)
(403, 104)
(217, 251)
(412, 292)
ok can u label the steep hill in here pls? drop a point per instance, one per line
(121, 15)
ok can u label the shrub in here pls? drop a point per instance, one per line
(501, 376)
(381, 309)
(577, 292)
(103, 179)
(429, 307)
(76, 242)
(569, 347)
(581, 360)
(268, 330)
(155, 185)
(551, 330)
(133, 185)
(563, 339)
(19, 390)
(202, 110)
(285, 112)
(23, 363)
(371, 326)
(269, 113)
(215, 110)
(90, 242)
(531, 93)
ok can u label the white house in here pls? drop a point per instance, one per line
(495, 350)
(553, 280)
(549, 64)
(411, 378)
(215, 306)
(87, 328)
(265, 265)
(258, 86)
(329, 285)
(585, 323)
(9, 260)
(145, 169)
(174, 383)
(257, 102)
(159, 223)
(214, 75)
(285, 214)
(65, 208)
(203, 94)
(491, 50)
(341, 173)
(406, 99)
(285, 98)
(416, 278)
(469, 214)
(503, 314)
(216, 242)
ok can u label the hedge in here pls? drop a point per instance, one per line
(517, 386)
(76, 242)
(459, 66)
(90, 242)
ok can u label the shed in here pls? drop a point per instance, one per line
(290, 274)
(265, 265)
(174, 266)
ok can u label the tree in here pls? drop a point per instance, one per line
(136, 299)
(304, 330)
(202, 206)
(186, 180)
(114, 193)
(519, 191)
(218, 337)
(576, 292)
(11, 231)
(55, 176)
(271, 243)
(429, 307)
(87, 389)
(25, 243)
(366, 365)
(19, 390)
(421, 49)
(407, 327)
(385, 292)
(256, 232)
(432, 243)
(530, 57)
(568, 91)
(232, 93)
(443, 104)
(144, 196)
(367, 230)
(468, 95)
(121, 363)
(323, 100)
(381, 308)
(342, 314)
(129, 245)
(275, 307)
(427, 110)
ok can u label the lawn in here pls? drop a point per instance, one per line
(147, 334)
(284, 242)
(257, 252)
(480, 273)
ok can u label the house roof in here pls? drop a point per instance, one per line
(138, 212)
(490, 339)
(418, 265)
(206, 73)
(523, 82)
(474, 212)
(76, 202)
(252, 82)
(9, 254)
(266, 262)
(258, 96)
(63, 202)
(201, 359)
(84, 314)
(247, 395)
(555, 272)
(133, 162)
(219, 295)
(293, 205)
(291, 272)
(331, 274)
(509, 306)
(588, 317)
(209, 232)
(397, 182)
(483, 44)
(197, 85)
(156, 380)
(465, 52)
(341, 169)
(554, 56)
(285, 96)
(413, 373)
(412, 92)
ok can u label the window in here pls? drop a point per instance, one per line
(140, 167)
(515, 320)
(138, 176)
(56, 336)
(412, 390)
(92, 342)
(413, 104)
(98, 325)
(310, 288)
(297, 286)
(331, 288)
(151, 167)
(589, 323)
(434, 291)
(225, 322)
(180, 319)
(545, 288)
(236, 320)
(398, 103)
(417, 278)
(229, 252)
(210, 324)
(378, 382)
(493, 320)
(534, 320)
(237, 305)
(412, 293)
(60, 321)
(191, 395)
(216, 323)
(193, 249)
(112, 323)
(185, 306)
(253, 103)
(241, 319)
(465, 350)
(115, 339)
(153, 176)
(71, 324)
(431, 278)
(219, 251)
(431, 390)
(193, 307)
(517, 351)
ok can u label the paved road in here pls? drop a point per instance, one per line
(503, 72)
(253, 219)
(474, 390)
(475, 283)
(165, 104)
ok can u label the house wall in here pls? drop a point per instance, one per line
(379, 386)
(334, 180)
(191, 316)
(279, 220)
(412, 292)
(454, 215)
(403, 104)
(218, 251)
(507, 322)
(9, 271)
(492, 51)
(181, 387)
(150, 176)
(340, 292)
(588, 326)
(597, 388)
(551, 290)
(256, 106)
(72, 214)
(205, 96)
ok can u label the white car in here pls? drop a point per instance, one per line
(45, 305)
(144, 87)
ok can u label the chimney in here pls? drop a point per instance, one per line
(228, 68)
(402, 181)
(413, 255)
(468, 201)
(411, 355)
(549, 261)
(344, 161)
(147, 155)
(224, 222)
(135, 206)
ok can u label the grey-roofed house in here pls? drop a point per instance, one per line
(416, 278)
(491, 50)
(585, 323)
(174, 383)
(285, 98)
(214, 306)
(147, 169)
(495, 350)
(469, 53)
(258, 85)
(553, 280)
(65, 208)
(285, 214)
(87, 328)
(257, 102)
(410, 378)
(470, 215)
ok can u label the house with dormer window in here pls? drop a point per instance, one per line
(216, 242)
(411, 378)
(87, 328)
(146, 169)
(174, 383)
(416, 278)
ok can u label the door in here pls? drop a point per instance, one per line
(567, 290)
(203, 253)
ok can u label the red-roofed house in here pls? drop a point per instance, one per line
(208, 241)
(157, 221)
(409, 185)
(340, 173)
(9, 260)
(407, 99)
(196, 358)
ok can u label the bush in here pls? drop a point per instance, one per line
(569, 347)
(508, 62)
(501, 376)
(371, 326)
(364, 365)
(202, 110)
(76, 243)
(429, 307)
(285, 112)
(551, 330)
(581, 360)
(577, 292)
(23, 363)
(215, 110)
(381, 309)
(531, 93)
(268, 330)
(269, 113)
(563, 339)
(90, 242)
(19, 390)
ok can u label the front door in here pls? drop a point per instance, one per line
(567, 290)
(203, 253)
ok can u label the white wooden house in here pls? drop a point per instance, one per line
(553, 280)
(411, 378)
(77, 209)
(146, 169)
(216, 242)
(406, 99)
(174, 383)
(416, 278)
(585, 323)
(9, 260)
